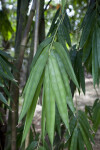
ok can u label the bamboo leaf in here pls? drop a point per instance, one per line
(6, 55)
(94, 58)
(84, 118)
(88, 14)
(66, 83)
(33, 81)
(86, 130)
(87, 48)
(74, 139)
(59, 90)
(87, 28)
(80, 141)
(72, 125)
(85, 138)
(31, 110)
(49, 105)
(52, 27)
(6, 67)
(62, 41)
(64, 33)
(98, 43)
(40, 49)
(6, 76)
(96, 116)
(2, 98)
(80, 69)
(67, 22)
(57, 121)
(67, 63)
(43, 118)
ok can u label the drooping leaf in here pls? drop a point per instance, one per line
(72, 125)
(80, 69)
(53, 25)
(33, 81)
(66, 83)
(67, 63)
(90, 9)
(43, 119)
(64, 33)
(6, 76)
(74, 139)
(98, 43)
(85, 138)
(86, 130)
(2, 98)
(83, 117)
(94, 59)
(49, 105)
(57, 121)
(40, 49)
(96, 116)
(67, 22)
(31, 110)
(87, 28)
(58, 88)
(80, 141)
(87, 48)
(6, 67)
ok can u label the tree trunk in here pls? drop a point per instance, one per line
(41, 33)
(23, 7)
(42, 22)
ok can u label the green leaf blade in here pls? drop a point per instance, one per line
(49, 105)
(59, 90)
(35, 76)
(67, 63)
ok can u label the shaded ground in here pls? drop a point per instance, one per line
(80, 101)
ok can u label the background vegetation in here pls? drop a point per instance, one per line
(46, 47)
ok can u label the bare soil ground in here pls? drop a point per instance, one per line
(80, 100)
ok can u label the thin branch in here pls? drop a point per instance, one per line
(47, 5)
(25, 35)
(36, 26)
(29, 22)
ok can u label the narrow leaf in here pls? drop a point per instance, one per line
(43, 117)
(87, 28)
(40, 49)
(74, 139)
(85, 138)
(94, 58)
(67, 63)
(49, 105)
(33, 81)
(66, 83)
(98, 43)
(30, 113)
(59, 90)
